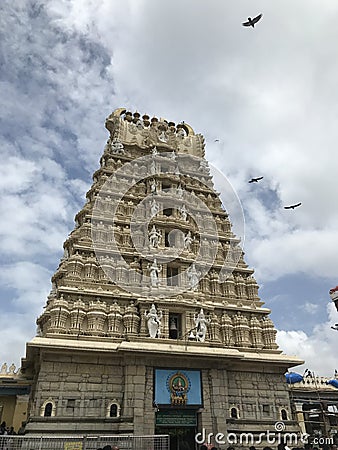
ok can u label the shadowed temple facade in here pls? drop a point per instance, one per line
(154, 324)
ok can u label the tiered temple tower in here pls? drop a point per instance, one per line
(154, 324)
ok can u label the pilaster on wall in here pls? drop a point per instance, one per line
(134, 394)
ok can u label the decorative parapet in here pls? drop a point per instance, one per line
(315, 383)
(130, 129)
(9, 372)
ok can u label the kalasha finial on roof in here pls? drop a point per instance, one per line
(334, 293)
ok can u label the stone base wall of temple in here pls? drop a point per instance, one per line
(108, 393)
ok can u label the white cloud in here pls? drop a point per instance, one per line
(311, 308)
(317, 349)
(268, 94)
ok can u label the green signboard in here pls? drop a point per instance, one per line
(176, 419)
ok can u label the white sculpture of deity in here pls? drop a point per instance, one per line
(201, 325)
(179, 190)
(183, 211)
(154, 237)
(154, 270)
(188, 240)
(193, 276)
(154, 207)
(154, 322)
(153, 167)
(153, 186)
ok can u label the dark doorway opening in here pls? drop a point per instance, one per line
(181, 438)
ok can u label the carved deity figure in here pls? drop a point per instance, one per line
(188, 240)
(179, 191)
(193, 276)
(180, 133)
(154, 151)
(154, 322)
(163, 137)
(183, 211)
(154, 237)
(201, 325)
(204, 166)
(154, 270)
(4, 368)
(153, 186)
(154, 207)
(153, 167)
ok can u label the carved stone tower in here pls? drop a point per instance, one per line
(154, 324)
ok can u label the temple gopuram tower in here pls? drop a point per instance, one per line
(154, 324)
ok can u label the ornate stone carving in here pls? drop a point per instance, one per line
(227, 330)
(256, 332)
(77, 316)
(241, 330)
(115, 326)
(269, 333)
(154, 270)
(146, 134)
(201, 323)
(154, 237)
(96, 317)
(131, 320)
(59, 312)
(154, 322)
(193, 277)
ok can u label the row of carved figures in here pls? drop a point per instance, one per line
(138, 181)
(148, 133)
(195, 171)
(108, 207)
(102, 230)
(99, 319)
(151, 274)
(5, 370)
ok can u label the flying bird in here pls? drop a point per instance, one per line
(336, 329)
(292, 206)
(251, 22)
(255, 180)
(216, 140)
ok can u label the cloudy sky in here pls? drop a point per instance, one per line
(269, 95)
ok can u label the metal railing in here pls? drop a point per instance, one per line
(52, 442)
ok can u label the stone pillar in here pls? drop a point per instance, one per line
(165, 324)
(300, 416)
(143, 324)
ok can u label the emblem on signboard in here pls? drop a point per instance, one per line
(178, 385)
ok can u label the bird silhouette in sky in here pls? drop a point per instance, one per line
(292, 206)
(252, 22)
(255, 180)
(216, 140)
(335, 328)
